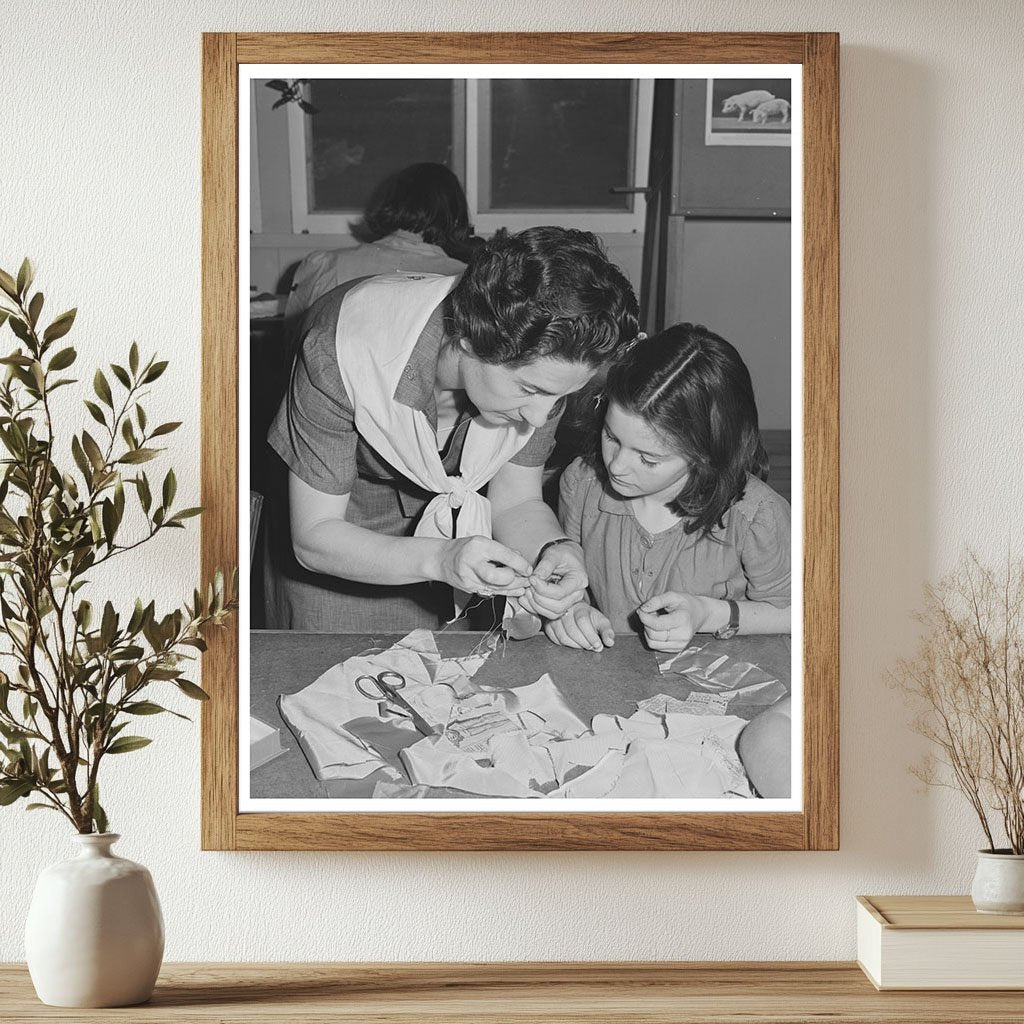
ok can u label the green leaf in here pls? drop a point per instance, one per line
(145, 498)
(165, 428)
(170, 487)
(79, 456)
(121, 374)
(7, 283)
(99, 817)
(60, 326)
(109, 519)
(84, 614)
(154, 372)
(138, 455)
(41, 807)
(20, 328)
(34, 308)
(63, 359)
(102, 388)
(125, 744)
(128, 433)
(133, 358)
(26, 274)
(12, 733)
(108, 627)
(185, 513)
(135, 622)
(96, 412)
(92, 449)
(11, 791)
(191, 690)
(143, 707)
(140, 415)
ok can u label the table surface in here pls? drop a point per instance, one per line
(610, 682)
(526, 993)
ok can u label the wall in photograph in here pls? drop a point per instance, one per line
(103, 190)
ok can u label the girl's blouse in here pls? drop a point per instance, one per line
(747, 560)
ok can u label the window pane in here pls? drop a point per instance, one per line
(367, 129)
(560, 144)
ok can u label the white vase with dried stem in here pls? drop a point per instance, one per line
(967, 682)
(78, 679)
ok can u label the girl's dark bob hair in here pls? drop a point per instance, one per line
(424, 198)
(694, 390)
(546, 291)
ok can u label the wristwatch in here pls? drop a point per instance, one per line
(732, 627)
(551, 544)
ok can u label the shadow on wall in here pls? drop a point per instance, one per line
(888, 270)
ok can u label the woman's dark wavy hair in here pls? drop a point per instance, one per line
(546, 291)
(694, 390)
(424, 198)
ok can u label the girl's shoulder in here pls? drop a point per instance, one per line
(760, 503)
(578, 479)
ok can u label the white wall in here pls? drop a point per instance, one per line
(100, 172)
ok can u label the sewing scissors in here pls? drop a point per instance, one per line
(384, 687)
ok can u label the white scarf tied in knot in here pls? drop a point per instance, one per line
(379, 324)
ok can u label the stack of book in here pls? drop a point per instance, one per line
(938, 942)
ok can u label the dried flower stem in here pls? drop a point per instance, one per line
(967, 679)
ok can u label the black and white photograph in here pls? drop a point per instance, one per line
(518, 402)
(749, 112)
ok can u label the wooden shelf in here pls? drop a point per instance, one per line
(525, 993)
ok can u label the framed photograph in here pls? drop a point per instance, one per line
(748, 112)
(521, 575)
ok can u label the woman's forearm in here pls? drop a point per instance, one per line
(338, 548)
(526, 527)
(755, 617)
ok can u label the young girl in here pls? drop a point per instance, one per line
(680, 533)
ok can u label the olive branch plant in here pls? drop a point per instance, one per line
(967, 682)
(80, 674)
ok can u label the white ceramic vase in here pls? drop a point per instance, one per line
(999, 882)
(95, 933)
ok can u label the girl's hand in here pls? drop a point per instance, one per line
(671, 619)
(479, 565)
(582, 627)
(557, 582)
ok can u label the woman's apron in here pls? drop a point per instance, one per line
(378, 326)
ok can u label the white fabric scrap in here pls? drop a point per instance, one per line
(584, 751)
(318, 713)
(685, 757)
(512, 752)
(435, 761)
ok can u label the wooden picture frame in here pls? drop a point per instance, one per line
(816, 826)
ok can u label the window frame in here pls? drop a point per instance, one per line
(469, 129)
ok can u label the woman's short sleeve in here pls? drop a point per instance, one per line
(766, 552)
(313, 431)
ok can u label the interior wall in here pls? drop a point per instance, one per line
(733, 276)
(102, 188)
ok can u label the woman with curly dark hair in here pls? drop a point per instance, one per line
(411, 395)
